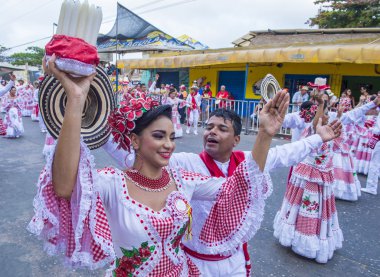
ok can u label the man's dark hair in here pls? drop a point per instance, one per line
(231, 116)
(306, 105)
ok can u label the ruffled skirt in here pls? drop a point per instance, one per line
(3, 130)
(346, 183)
(308, 220)
(13, 123)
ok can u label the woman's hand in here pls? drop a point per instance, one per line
(76, 88)
(330, 131)
(273, 113)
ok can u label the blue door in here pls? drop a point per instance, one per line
(234, 82)
(168, 78)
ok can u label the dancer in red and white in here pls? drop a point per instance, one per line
(307, 220)
(360, 146)
(374, 168)
(13, 117)
(35, 108)
(194, 100)
(176, 104)
(137, 218)
(3, 91)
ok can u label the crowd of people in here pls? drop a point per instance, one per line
(188, 105)
(17, 100)
(186, 214)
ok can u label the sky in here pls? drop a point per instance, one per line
(215, 23)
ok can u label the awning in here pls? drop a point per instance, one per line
(357, 54)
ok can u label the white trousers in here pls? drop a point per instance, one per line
(193, 119)
(374, 169)
(234, 266)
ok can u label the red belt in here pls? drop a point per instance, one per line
(217, 257)
(204, 257)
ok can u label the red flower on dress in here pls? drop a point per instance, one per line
(125, 267)
(306, 202)
(144, 252)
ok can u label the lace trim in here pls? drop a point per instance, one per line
(76, 68)
(43, 215)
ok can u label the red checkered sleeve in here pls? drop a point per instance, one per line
(239, 205)
(77, 227)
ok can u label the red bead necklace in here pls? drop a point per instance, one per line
(147, 184)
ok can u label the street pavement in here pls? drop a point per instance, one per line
(21, 254)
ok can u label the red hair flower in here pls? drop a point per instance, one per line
(122, 120)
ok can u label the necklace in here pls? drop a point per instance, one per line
(147, 184)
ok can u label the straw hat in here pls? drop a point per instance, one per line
(99, 103)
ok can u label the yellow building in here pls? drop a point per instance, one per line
(348, 58)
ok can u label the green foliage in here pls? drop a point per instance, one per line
(32, 56)
(346, 14)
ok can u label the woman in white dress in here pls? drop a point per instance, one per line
(137, 218)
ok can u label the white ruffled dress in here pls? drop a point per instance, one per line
(101, 224)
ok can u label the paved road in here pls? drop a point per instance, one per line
(21, 254)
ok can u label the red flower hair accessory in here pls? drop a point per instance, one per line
(308, 114)
(122, 120)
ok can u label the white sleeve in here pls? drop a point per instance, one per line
(357, 113)
(124, 158)
(7, 88)
(291, 153)
(293, 120)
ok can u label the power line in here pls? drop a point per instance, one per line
(154, 9)
(135, 8)
(28, 43)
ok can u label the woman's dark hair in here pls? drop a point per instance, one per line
(231, 116)
(372, 97)
(171, 90)
(12, 87)
(150, 116)
(306, 105)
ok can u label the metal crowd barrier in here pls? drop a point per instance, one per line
(246, 109)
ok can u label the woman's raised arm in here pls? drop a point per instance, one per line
(66, 158)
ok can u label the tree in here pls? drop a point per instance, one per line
(346, 14)
(32, 56)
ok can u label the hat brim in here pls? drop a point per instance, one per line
(99, 103)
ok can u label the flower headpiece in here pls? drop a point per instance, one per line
(309, 113)
(123, 119)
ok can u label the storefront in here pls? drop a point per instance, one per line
(346, 66)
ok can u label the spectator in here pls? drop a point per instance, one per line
(348, 92)
(206, 96)
(222, 94)
(182, 110)
(299, 97)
